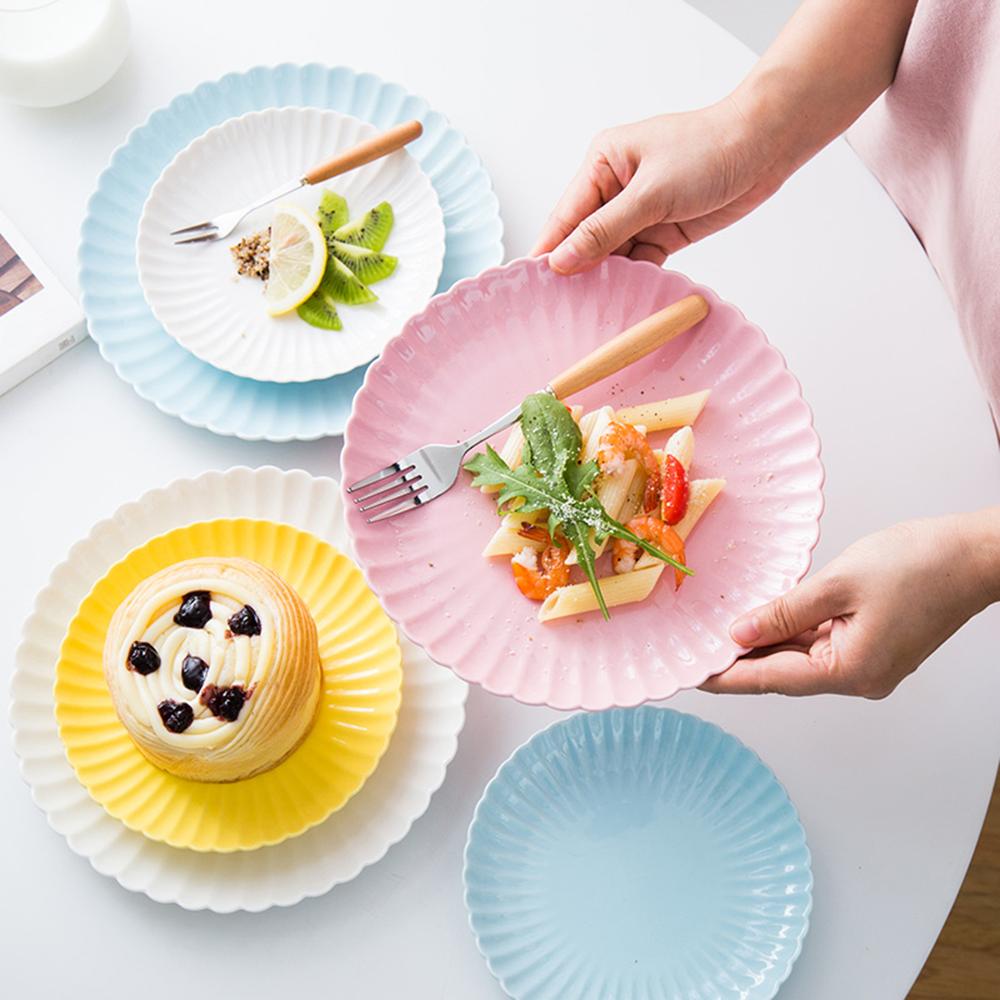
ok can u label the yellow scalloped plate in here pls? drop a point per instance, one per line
(361, 660)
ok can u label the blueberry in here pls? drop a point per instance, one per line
(176, 715)
(224, 702)
(143, 658)
(195, 610)
(245, 622)
(193, 671)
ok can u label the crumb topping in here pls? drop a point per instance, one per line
(251, 255)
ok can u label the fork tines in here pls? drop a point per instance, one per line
(393, 483)
(209, 230)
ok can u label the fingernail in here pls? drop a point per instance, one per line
(746, 630)
(564, 258)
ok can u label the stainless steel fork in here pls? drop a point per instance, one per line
(424, 474)
(219, 227)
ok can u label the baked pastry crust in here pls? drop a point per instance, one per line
(213, 667)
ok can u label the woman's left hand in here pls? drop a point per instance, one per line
(874, 614)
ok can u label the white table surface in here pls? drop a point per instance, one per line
(892, 794)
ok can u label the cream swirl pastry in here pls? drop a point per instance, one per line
(214, 669)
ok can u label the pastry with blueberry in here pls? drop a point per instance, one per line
(213, 666)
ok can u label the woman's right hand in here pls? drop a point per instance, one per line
(648, 189)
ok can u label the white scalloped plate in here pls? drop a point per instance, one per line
(430, 718)
(194, 291)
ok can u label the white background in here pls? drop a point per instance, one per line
(755, 22)
(891, 793)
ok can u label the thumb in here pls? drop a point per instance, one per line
(804, 607)
(603, 231)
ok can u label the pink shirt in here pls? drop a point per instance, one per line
(933, 140)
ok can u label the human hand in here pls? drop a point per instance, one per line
(874, 614)
(647, 189)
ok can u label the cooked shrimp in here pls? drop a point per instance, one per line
(625, 554)
(538, 575)
(622, 441)
(533, 532)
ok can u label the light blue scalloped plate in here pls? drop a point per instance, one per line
(162, 371)
(639, 853)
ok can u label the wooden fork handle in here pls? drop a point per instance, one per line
(364, 152)
(634, 343)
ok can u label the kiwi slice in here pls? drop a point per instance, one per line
(319, 310)
(370, 231)
(343, 285)
(332, 213)
(368, 265)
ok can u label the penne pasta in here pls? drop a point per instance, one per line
(621, 491)
(596, 424)
(507, 539)
(612, 491)
(513, 446)
(592, 426)
(579, 598)
(663, 414)
(633, 500)
(681, 446)
(703, 492)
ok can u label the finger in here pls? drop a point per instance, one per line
(602, 231)
(792, 645)
(801, 641)
(804, 607)
(812, 635)
(785, 671)
(669, 237)
(594, 184)
(648, 251)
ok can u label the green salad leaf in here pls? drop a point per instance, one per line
(552, 478)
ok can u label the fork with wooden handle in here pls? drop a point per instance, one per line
(373, 148)
(426, 473)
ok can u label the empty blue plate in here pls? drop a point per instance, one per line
(637, 853)
(147, 357)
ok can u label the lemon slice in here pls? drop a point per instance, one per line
(296, 260)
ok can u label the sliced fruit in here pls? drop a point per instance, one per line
(370, 231)
(320, 310)
(332, 212)
(369, 265)
(343, 285)
(296, 262)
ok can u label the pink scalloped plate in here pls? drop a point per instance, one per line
(488, 342)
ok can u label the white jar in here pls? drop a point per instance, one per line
(57, 51)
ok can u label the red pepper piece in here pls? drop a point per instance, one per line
(675, 491)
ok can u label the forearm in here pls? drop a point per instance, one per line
(831, 61)
(981, 551)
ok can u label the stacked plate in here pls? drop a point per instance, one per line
(175, 322)
(287, 836)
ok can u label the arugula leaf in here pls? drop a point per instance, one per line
(552, 437)
(551, 477)
(579, 536)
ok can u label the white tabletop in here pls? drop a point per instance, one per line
(892, 794)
